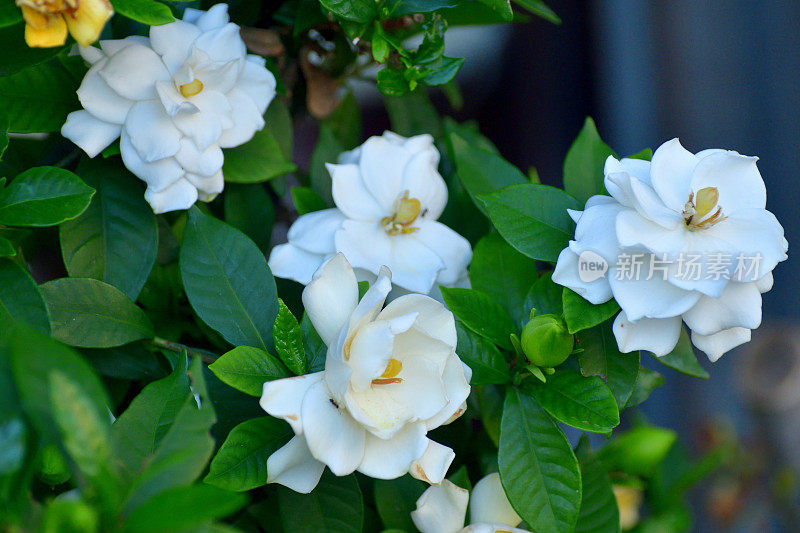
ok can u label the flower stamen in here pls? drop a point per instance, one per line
(697, 208)
(390, 373)
(406, 211)
(192, 88)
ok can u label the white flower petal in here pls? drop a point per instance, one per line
(739, 305)
(133, 71)
(258, 82)
(719, 343)
(208, 187)
(434, 319)
(456, 383)
(293, 466)
(331, 433)
(391, 458)
(736, 178)
(159, 175)
(657, 335)
(91, 134)
(765, 283)
(151, 131)
(179, 195)
(453, 249)
(246, 117)
(314, 231)
(351, 195)
(372, 348)
(222, 44)
(671, 173)
(204, 128)
(566, 273)
(112, 46)
(173, 101)
(382, 164)
(90, 54)
(290, 262)
(423, 182)
(206, 163)
(214, 18)
(432, 466)
(173, 41)
(331, 298)
(283, 398)
(100, 100)
(441, 509)
(489, 503)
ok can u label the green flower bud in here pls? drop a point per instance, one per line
(546, 341)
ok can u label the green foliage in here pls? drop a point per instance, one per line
(638, 451)
(260, 159)
(683, 359)
(43, 196)
(599, 510)
(581, 314)
(38, 98)
(335, 505)
(482, 356)
(481, 314)
(396, 499)
(583, 166)
(601, 357)
(288, 339)
(246, 369)
(144, 11)
(20, 299)
(249, 209)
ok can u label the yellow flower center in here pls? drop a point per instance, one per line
(390, 374)
(50, 6)
(192, 88)
(406, 211)
(699, 212)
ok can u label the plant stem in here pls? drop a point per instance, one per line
(172, 346)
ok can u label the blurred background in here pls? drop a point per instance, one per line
(716, 75)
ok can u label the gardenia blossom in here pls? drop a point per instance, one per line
(706, 246)
(388, 195)
(174, 100)
(47, 21)
(390, 376)
(442, 508)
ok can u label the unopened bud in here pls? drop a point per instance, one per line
(546, 341)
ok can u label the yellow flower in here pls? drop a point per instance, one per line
(47, 21)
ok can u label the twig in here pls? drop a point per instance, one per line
(172, 346)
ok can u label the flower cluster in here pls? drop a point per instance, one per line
(705, 205)
(388, 195)
(391, 375)
(174, 100)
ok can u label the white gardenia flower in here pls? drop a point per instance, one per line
(442, 509)
(390, 376)
(174, 100)
(388, 195)
(685, 238)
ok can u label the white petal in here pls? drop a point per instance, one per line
(246, 117)
(566, 273)
(179, 195)
(432, 466)
(331, 297)
(208, 187)
(173, 101)
(441, 509)
(159, 175)
(657, 335)
(382, 164)
(314, 231)
(490, 504)
(216, 17)
(112, 46)
(222, 44)
(456, 384)
(595, 230)
(739, 305)
(258, 82)
(391, 458)
(717, 344)
(151, 131)
(293, 466)
(423, 182)
(351, 195)
(290, 262)
(454, 250)
(283, 398)
(371, 349)
(492, 528)
(90, 54)
(736, 178)
(751, 232)
(100, 100)
(133, 71)
(173, 41)
(765, 283)
(434, 319)
(671, 173)
(88, 132)
(331, 433)
(205, 163)
(202, 127)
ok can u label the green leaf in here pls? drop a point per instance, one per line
(43, 196)
(599, 510)
(20, 299)
(314, 346)
(227, 281)
(537, 466)
(7, 248)
(502, 273)
(395, 500)
(89, 313)
(246, 369)
(392, 82)
(306, 200)
(249, 209)
(683, 359)
(10, 14)
(336, 505)
(145, 11)
(638, 451)
(99, 242)
(501, 7)
(581, 402)
(481, 314)
(12, 40)
(278, 120)
(532, 218)
(183, 508)
(539, 9)
(407, 7)
(646, 382)
(581, 314)
(39, 98)
(487, 363)
(443, 71)
(132, 362)
(362, 11)
(241, 462)
(413, 114)
(544, 296)
(288, 339)
(583, 166)
(601, 357)
(259, 159)
(481, 170)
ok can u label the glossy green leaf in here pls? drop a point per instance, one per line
(501, 272)
(314, 346)
(601, 357)
(288, 339)
(246, 369)
(538, 8)
(38, 98)
(259, 159)
(395, 500)
(581, 402)
(7, 248)
(583, 166)
(362, 11)
(183, 509)
(407, 7)
(99, 242)
(544, 296)
(481, 314)
(581, 314)
(335, 505)
(489, 399)
(89, 313)
(20, 299)
(10, 14)
(683, 359)
(537, 466)
(131, 361)
(599, 510)
(43, 196)
(413, 114)
(228, 281)
(482, 356)
(646, 382)
(532, 218)
(18, 54)
(501, 7)
(241, 462)
(306, 200)
(638, 451)
(249, 209)
(147, 12)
